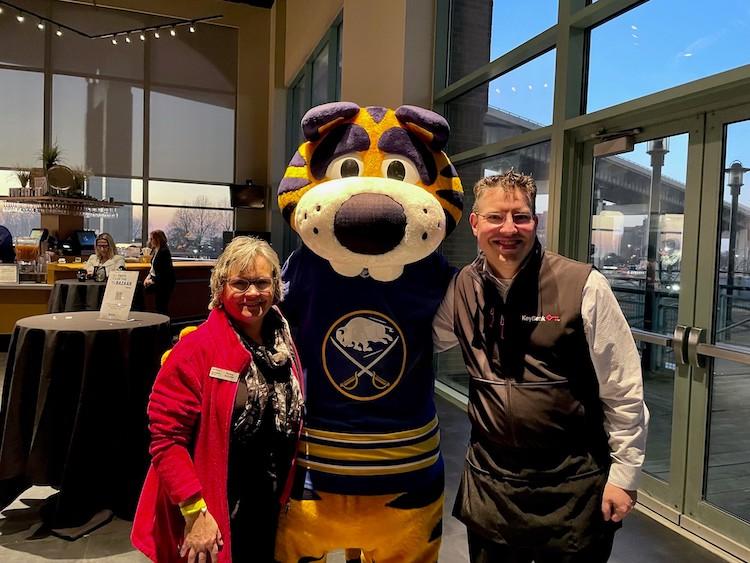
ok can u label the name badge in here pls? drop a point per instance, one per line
(224, 374)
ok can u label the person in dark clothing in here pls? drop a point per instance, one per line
(161, 278)
(555, 391)
(7, 252)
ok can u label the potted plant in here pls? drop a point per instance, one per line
(23, 175)
(50, 156)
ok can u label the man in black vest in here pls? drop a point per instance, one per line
(555, 393)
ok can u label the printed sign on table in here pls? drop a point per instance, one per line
(118, 296)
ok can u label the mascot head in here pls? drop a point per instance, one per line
(371, 190)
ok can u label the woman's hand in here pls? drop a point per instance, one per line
(202, 538)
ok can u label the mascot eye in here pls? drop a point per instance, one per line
(401, 169)
(345, 167)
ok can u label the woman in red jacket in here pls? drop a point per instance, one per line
(225, 416)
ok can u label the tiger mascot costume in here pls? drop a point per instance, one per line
(372, 196)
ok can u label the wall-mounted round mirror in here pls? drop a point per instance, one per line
(60, 178)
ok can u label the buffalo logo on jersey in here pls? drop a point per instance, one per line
(364, 355)
(371, 190)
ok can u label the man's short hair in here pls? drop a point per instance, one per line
(508, 182)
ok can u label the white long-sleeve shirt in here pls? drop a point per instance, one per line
(616, 363)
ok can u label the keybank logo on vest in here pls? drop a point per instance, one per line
(548, 318)
(364, 355)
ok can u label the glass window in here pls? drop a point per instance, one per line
(206, 59)
(123, 190)
(21, 44)
(98, 124)
(200, 195)
(484, 30)
(125, 228)
(192, 135)
(74, 54)
(320, 77)
(192, 231)
(652, 56)
(299, 107)
(19, 224)
(511, 104)
(21, 118)
(637, 227)
(460, 248)
(733, 268)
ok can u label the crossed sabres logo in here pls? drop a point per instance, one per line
(364, 355)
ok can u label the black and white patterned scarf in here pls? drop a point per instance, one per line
(270, 382)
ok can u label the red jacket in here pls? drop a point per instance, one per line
(190, 413)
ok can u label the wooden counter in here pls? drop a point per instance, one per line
(189, 301)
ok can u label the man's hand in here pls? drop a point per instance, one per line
(202, 539)
(148, 282)
(617, 502)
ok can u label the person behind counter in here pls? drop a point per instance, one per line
(225, 416)
(161, 278)
(7, 253)
(106, 256)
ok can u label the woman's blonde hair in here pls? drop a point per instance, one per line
(237, 257)
(110, 241)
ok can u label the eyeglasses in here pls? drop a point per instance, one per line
(241, 285)
(499, 218)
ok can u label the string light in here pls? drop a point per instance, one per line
(40, 25)
(127, 39)
(192, 29)
(142, 36)
(173, 32)
(59, 32)
(114, 41)
(156, 34)
(20, 17)
(1, 9)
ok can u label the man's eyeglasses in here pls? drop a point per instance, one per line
(241, 285)
(499, 218)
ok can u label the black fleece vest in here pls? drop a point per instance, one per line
(532, 384)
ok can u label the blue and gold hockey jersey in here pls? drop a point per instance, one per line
(366, 349)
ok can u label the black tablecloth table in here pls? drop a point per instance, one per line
(73, 411)
(73, 295)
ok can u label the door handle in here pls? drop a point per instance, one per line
(679, 344)
(695, 337)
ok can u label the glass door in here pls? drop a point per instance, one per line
(643, 203)
(717, 488)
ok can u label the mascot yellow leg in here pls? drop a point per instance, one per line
(386, 533)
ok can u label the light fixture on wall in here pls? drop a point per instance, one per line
(141, 31)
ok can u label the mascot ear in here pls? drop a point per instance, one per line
(320, 119)
(431, 127)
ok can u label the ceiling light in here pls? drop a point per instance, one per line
(114, 41)
(156, 34)
(192, 29)
(40, 25)
(127, 39)
(142, 36)
(58, 32)
(173, 32)
(20, 17)
(1, 9)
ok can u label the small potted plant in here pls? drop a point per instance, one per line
(50, 156)
(24, 176)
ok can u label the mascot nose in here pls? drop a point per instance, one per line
(370, 224)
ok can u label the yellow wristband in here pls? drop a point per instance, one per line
(194, 507)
